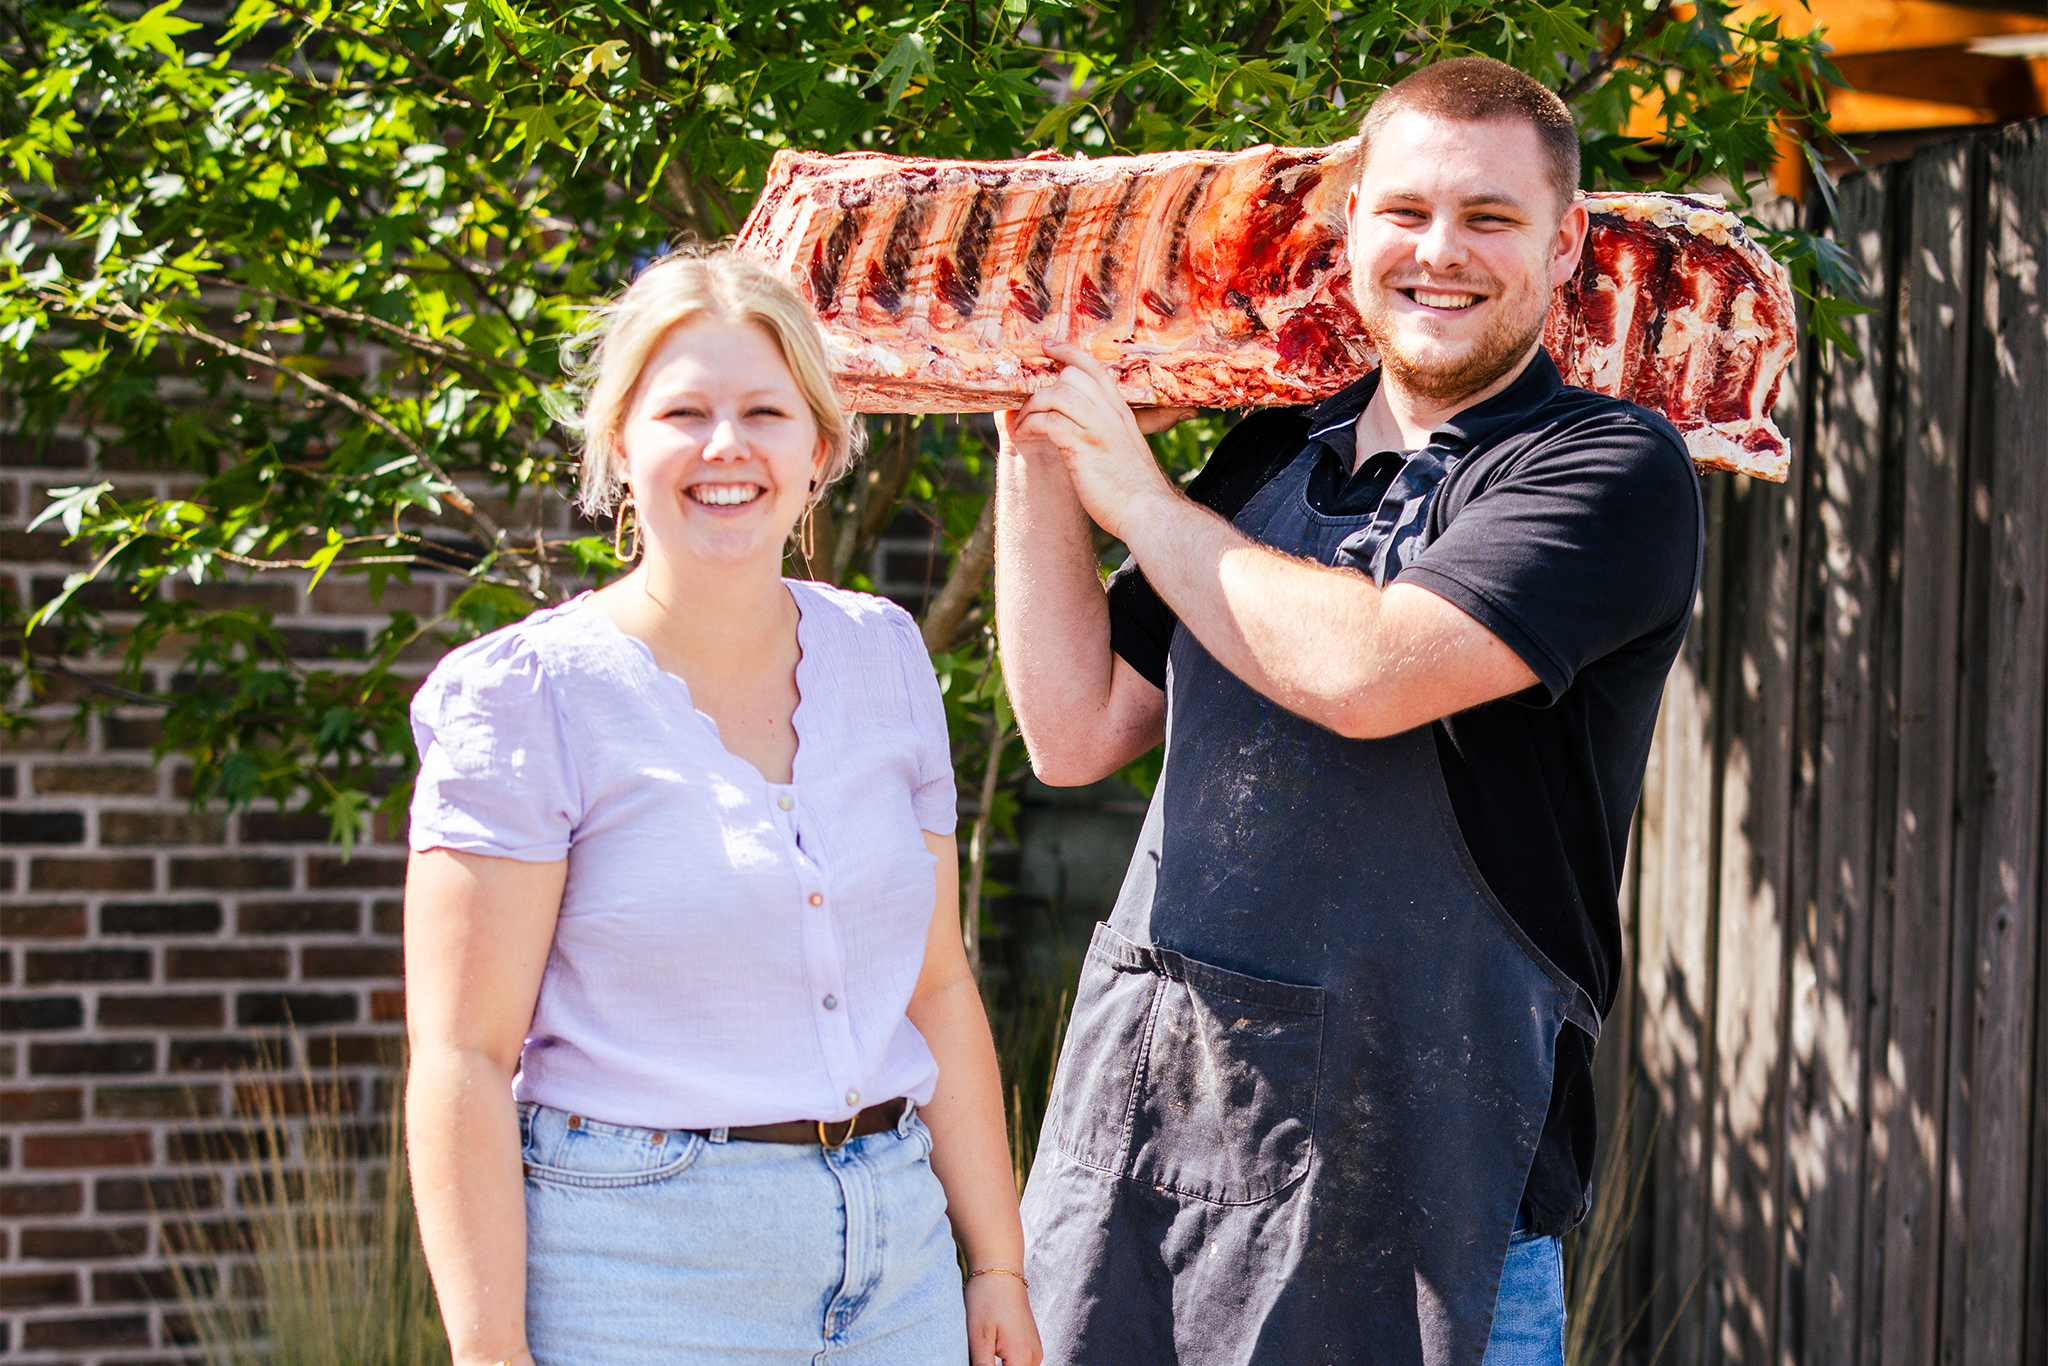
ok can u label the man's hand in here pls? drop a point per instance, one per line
(1081, 418)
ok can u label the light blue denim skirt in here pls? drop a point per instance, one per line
(665, 1246)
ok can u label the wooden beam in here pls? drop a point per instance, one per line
(2003, 85)
(1856, 27)
(1861, 111)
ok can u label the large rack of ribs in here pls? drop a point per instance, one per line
(1219, 279)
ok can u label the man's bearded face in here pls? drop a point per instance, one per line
(1455, 251)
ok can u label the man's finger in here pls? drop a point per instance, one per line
(1152, 421)
(1068, 403)
(1082, 359)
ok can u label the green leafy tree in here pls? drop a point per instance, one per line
(325, 255)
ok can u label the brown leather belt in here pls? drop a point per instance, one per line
(830, 1133)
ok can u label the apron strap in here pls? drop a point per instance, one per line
(1578, 1009)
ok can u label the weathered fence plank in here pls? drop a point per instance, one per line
(1675, 973)
(1909, 1107)
(1759, 685)
(1829, 1003)
(1993, 1033)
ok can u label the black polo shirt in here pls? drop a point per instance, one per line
(1569, 524)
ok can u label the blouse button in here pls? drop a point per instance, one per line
(831, 1003)
(817, 900)
(785, 801)
(853, 1097)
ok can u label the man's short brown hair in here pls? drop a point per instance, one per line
(1481, 90)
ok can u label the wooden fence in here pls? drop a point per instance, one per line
(1832, 1022)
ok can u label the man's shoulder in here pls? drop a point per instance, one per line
(1586, 420)
(1589, 457)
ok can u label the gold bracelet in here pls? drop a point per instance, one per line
(999, 1271)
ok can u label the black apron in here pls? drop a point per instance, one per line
(1310, 1053)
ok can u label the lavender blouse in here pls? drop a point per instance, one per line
(730, 950)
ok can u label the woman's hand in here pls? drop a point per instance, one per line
(999, 1323)
(970, 1142)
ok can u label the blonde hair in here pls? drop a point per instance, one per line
(605, 359)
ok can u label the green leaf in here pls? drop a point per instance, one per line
(72, 506)
(157, 27)
(908, 58)
(348, 818)
(323, 559)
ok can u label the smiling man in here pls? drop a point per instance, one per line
(1326, 1095)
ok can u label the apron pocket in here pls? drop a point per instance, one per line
(1103, 1055)
(1189, 1077)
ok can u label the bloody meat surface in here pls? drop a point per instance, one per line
(1219, 279)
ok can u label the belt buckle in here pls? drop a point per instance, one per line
(844, 1138)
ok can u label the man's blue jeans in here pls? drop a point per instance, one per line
(1528, 1315)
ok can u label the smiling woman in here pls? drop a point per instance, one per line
(681, 934)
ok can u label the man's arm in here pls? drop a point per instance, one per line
(1327, 644)
(1084, 712)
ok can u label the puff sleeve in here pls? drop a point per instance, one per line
(496, 774)
(932, 797)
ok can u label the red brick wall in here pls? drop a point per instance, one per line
(149, 955)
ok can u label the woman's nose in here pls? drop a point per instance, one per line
(725, 442)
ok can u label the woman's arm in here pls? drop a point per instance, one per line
(970, 1148)
(477, 932)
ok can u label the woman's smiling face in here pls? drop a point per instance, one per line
(718, 446)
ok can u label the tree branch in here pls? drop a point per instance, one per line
(486, 529)
(113, 690)
(462, 356)
(377, 40)
(963, 585)
(977, 843)
(28, 41)
(1627, 43)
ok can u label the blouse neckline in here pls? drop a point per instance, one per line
(642, 651)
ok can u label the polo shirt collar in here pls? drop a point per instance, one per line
(1538, 383)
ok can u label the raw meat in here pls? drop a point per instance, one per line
(1219, 279)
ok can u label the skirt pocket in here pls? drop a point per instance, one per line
(1188, 1077)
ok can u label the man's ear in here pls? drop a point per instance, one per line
(1570, 243)
(1351, 205)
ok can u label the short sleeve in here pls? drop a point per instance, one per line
(1249, 455)
(1585, 545)
(1140, 623)
(495, 771)
(933, 797)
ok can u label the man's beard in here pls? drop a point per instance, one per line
(1493, 354)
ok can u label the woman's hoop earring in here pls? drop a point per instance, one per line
(627, 515)
(803, 534)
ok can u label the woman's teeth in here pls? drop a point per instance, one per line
(1429, 300)
(725, 495)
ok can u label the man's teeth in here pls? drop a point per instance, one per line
(726, 495)
(1429, 300)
